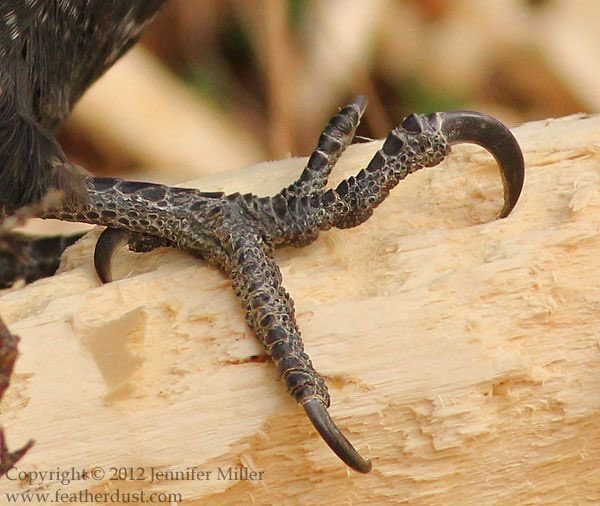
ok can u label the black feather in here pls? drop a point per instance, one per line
(51, 51)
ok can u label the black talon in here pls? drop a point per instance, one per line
(108, 242)
(319, 416)
(359, 101)
(497, 139)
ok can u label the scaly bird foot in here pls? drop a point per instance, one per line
(237, 233)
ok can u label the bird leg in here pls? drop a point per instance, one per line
(237, 233)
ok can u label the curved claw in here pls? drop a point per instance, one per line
(495, 137)
(319, 416)
(108, 242)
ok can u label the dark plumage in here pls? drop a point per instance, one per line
(51, 51)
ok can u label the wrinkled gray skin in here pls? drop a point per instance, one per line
(52, 50)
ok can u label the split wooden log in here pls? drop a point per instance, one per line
(462, 353)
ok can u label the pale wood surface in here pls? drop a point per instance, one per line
(462, 353)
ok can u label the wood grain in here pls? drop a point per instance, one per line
(462, 353)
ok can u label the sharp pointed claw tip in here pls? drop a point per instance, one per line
(104, 279)
(506, 210)
(364, 467)
(108, 242)
(361, 102)
(335, 439)
(496, 138)
(102, 266)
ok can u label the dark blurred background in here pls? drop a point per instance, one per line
(219, 84)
